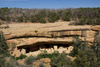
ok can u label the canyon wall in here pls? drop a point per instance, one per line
(24, 37)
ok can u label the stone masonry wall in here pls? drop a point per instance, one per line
(17, 52)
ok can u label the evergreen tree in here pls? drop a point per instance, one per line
(3, 44)
(61, 61)
(81, 60)
(3, 49)
(66, 15)
(20, 19)
(76, 44)
(52, 17)
(96, 45)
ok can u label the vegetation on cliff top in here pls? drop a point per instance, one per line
(81, 16)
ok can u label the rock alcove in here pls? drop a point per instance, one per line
(37, 48)
(44, 45)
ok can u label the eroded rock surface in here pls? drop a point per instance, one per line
(29, 36)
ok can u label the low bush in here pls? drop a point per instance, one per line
(13, 57)
(29, 59)
(88, 21)
(21, 57)
(45, 55)
(41, 65)
(60, 61)
(82, 60)
(42, 20)
(66, 16)
(38, 18)
(36, 31)
(52, 17)
(82, 22)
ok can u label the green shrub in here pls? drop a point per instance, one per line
(3, 45)
(13, 57)
(81, 60)
(68, 18)
(52, 35)
(78, 45)
(52, 17)
(97, 23)
(21, 57)
(45, 55)
(60, 60)
(42, 20)
(33, 19)
(88, 21)
(20, 19)
(41, 65)
(29, 59)
(38, 18)
(36, 31)
(2, 60)
(3, 51)
(5, 27)
(66, 15)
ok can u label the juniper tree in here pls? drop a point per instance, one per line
(78, 45)
(3, 49)
(81, 60)
(3, 44)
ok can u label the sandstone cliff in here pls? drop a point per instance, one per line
(33, 35)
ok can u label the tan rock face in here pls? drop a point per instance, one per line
(16, 52)
(28, 37)
(96, 28)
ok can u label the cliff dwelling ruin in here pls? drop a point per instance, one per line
(40, 47)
